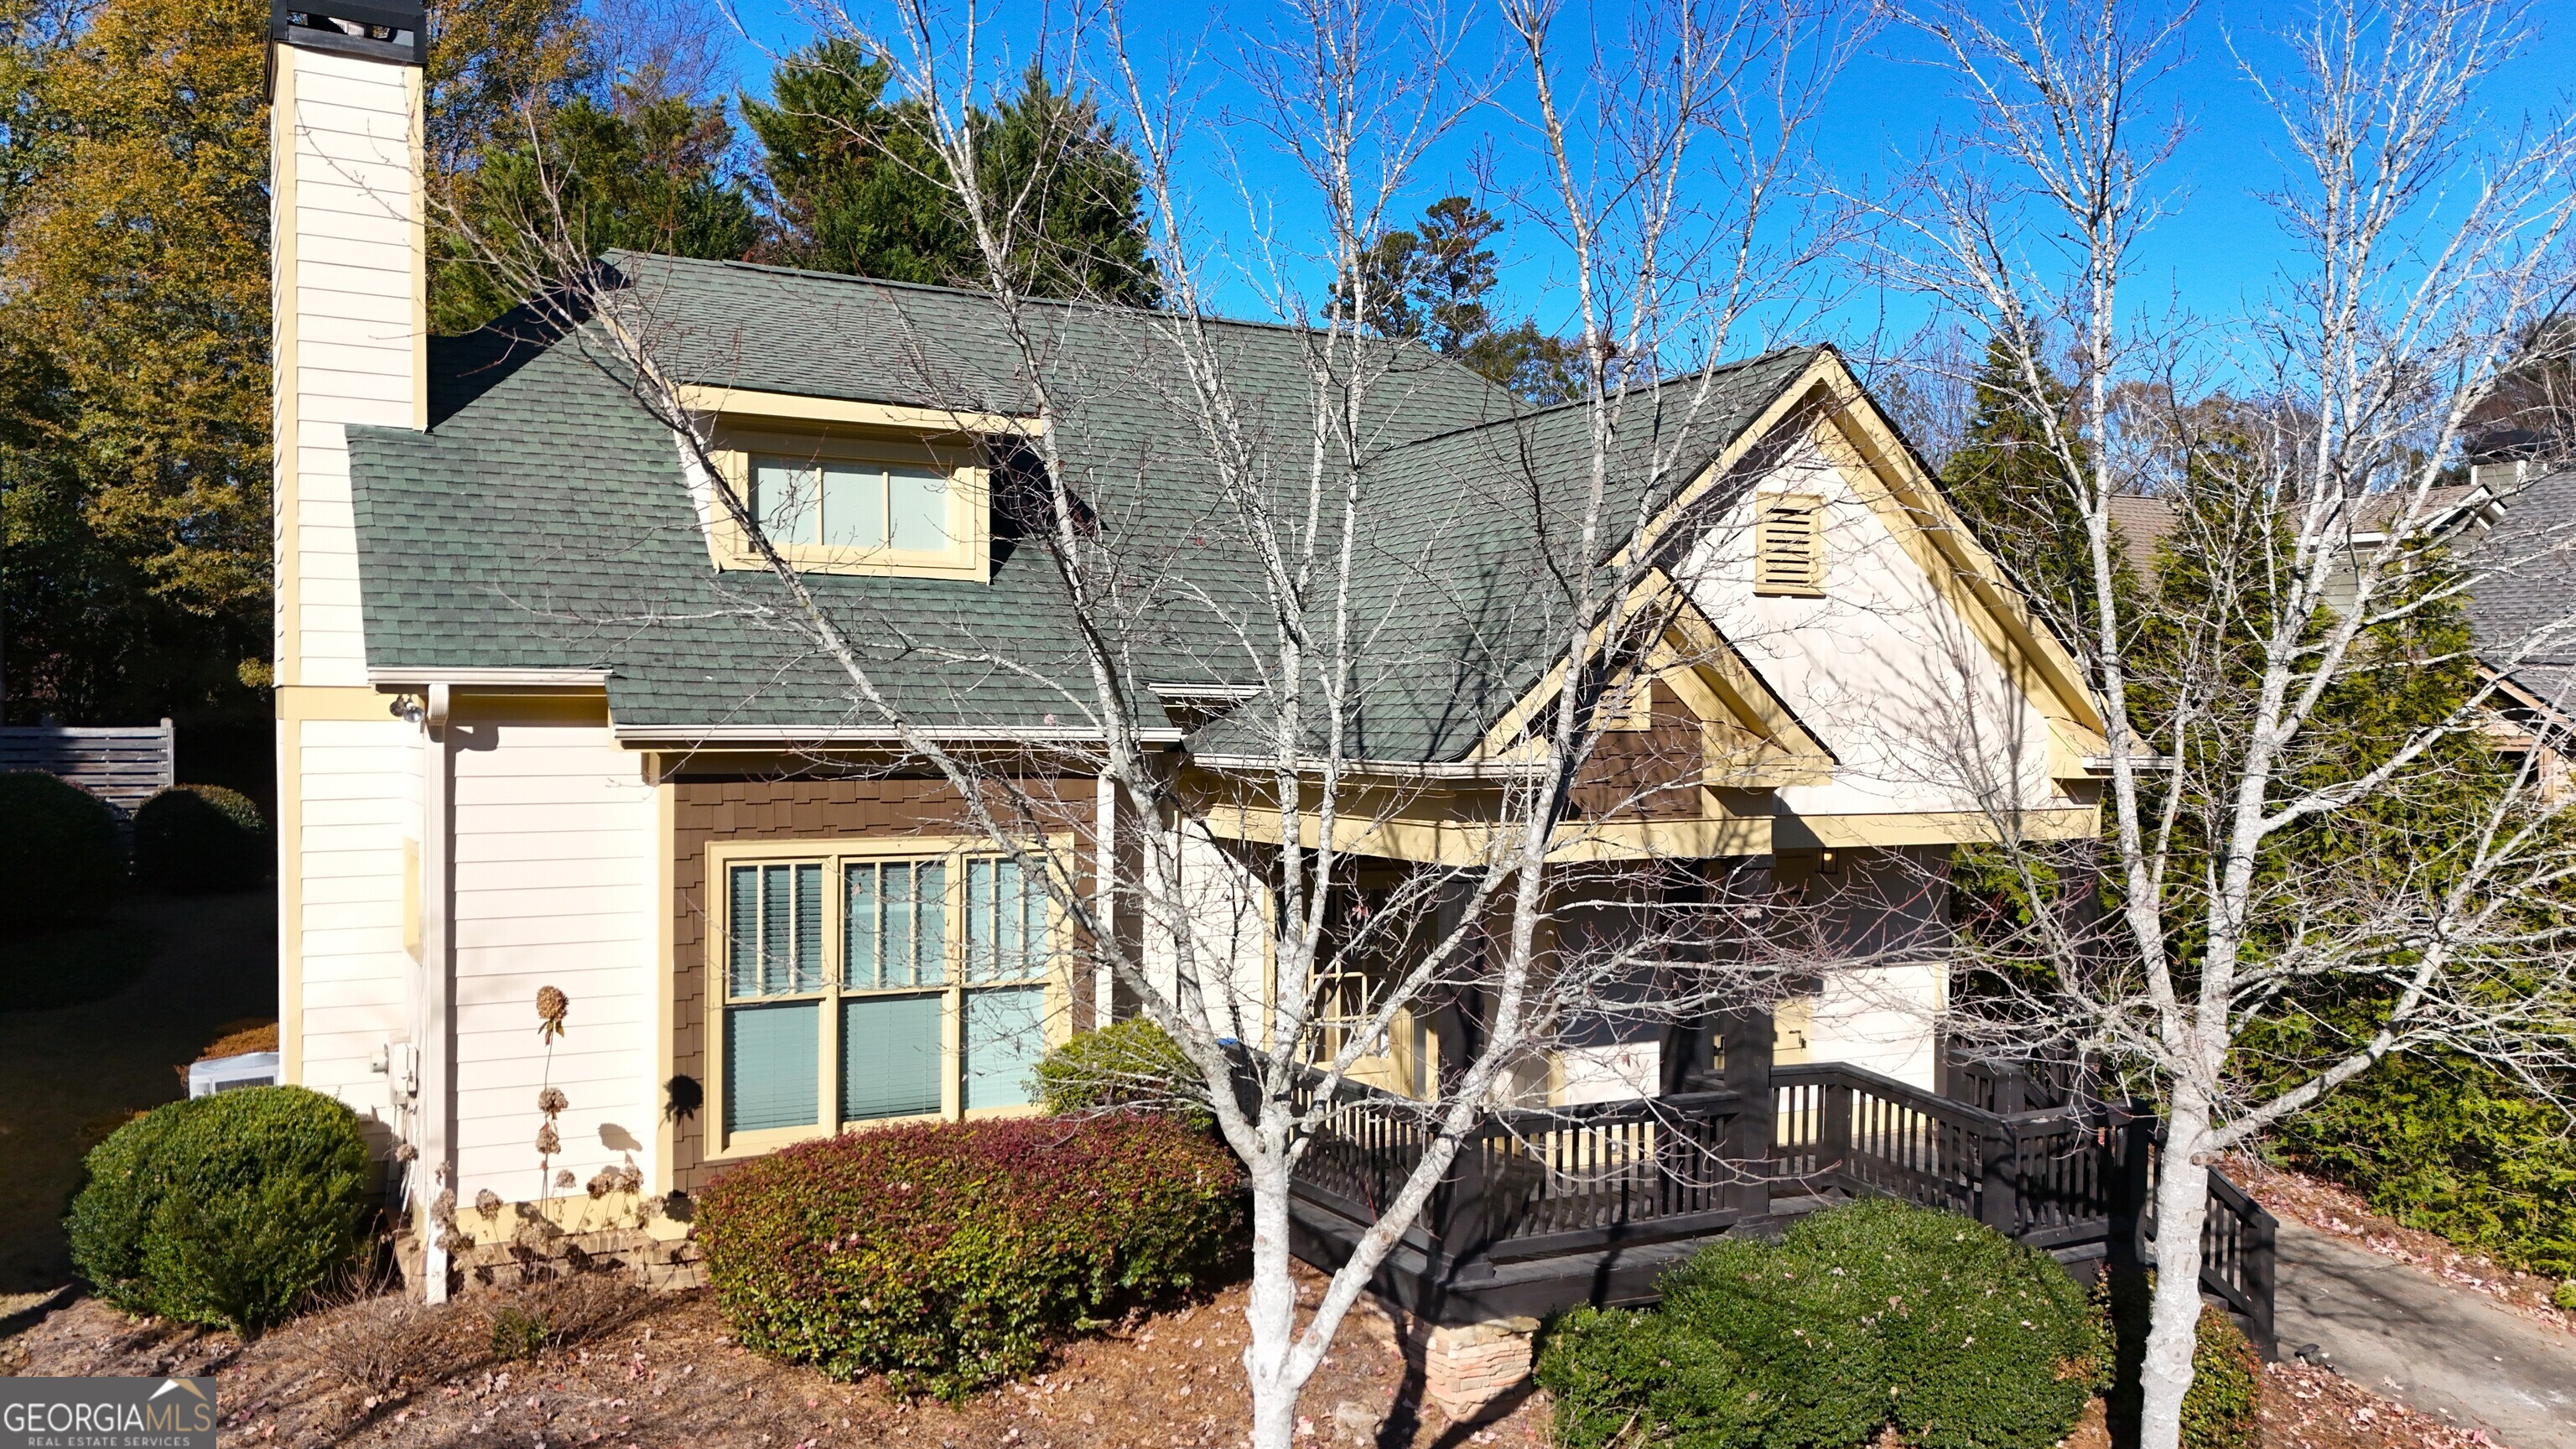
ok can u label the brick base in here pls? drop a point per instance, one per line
(1465, 1367)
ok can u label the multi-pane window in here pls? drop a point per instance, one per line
(859, 988)
(811, 502)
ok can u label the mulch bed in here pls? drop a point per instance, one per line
(655, 1371)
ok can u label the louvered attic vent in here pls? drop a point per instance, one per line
(1789, 545)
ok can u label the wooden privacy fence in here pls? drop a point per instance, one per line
(123, 766)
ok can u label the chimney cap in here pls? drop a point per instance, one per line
(387, 30)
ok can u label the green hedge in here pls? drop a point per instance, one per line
(59, 853)
(1868, 1315)
(2218, 1411)
(225, 1210)
(946, 1256)
(2450, 1147)
(1132, 1063)
(1621, 1378)
(195, 838)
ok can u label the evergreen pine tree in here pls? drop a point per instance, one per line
(647, 172)
(860, 188)
(2010, 484)
(1431, 284)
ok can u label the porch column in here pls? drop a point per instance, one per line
(1746, 1041)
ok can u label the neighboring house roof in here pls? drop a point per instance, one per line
(2526, 591)
(2144, 522)
(544, 520)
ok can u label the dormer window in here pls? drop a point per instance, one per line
(853, 502)
(851, 505)
(845, 487)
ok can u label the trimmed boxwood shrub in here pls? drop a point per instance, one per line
(2218, 1410)
(225, 1210)
(194, 838)
(1131, 1063)
(1867, 1315)
(1621, 1377)
(946, 1256)
(59, 852)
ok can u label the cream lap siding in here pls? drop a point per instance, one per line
(1226, 908)
(359, 784)
(348, 344)
(1883, 1018)
(555, 833)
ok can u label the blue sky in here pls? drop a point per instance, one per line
(2216, 253)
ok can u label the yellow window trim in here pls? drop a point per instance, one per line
(797, 409)
(969, 525)
(722, 856)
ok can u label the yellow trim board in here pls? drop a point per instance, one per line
(1433, 838)
(1930, 827)
(746, 403)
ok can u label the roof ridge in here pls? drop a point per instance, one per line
(974, 294)
(1739, 365)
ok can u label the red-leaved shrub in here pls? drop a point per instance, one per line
(946, 1256)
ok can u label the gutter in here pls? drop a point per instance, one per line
(411, 679)
(1414, 769)
(2100, 765)
(665, 736)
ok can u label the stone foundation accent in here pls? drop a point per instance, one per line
(1465, 1367)
(661, 1264)
(537, 1254)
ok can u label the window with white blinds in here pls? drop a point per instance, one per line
(1789, 544)
(861, 988)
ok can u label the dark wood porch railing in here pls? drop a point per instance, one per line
(1536, 1183)
(1582, 1186)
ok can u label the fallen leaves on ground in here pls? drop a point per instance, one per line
(2305, 1407)
(666, 1377)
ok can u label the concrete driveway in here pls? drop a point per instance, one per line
(2402, 1332)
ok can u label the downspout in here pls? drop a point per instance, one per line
(437, 1045)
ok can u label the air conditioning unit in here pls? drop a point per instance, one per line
(222, 1074)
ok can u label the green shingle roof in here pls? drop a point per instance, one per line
(543, 521)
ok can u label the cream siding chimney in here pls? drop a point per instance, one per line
(349, 275)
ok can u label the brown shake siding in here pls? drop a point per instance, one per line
(1649, 774)
(706, 811)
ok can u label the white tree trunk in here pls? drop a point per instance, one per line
(2182, 1205)
(1270, 1313)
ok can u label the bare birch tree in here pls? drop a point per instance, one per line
(1670, 152)
(2427, 237)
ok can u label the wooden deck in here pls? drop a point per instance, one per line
(1548, 1208)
